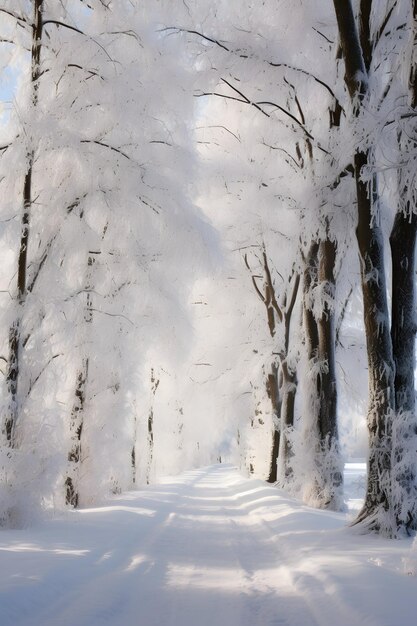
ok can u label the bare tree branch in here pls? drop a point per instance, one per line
(219, 126)
(255, 104)
(196, 32)
(342, 317)
(258, 291)
(80, 32)
(271, 287)
(246, 56)
(106, 145)
(16, 16)
(113, 315)
(35, 380)
(253, 278)
(267, 145)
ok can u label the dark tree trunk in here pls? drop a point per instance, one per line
(327, 417)
(310, 325)
(72, 497)
(326, 346)
(288, 392)
(281, 383)
(403, 329)
(272, 388)
(320, 347)
(378, 496)
(311, 339)
(273, 469)
(151, 442)
(403, 323)
(15, 334)
(150, 445)
(379, 351)
(76, 429)
(365, 32)
(402, 241)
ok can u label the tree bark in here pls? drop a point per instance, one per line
(151, 442)
(281, 383)
(403, 322)
(326, 345)
(310, 326)
(15, 334)
(76, 429)
(72, 487)
(272, 388)
(320, 347)
(327, 417)
(365, 31)
(377, 510)
(379, 351)
(288, 392)
(402, 241)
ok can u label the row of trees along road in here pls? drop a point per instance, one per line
(94, 171)
(356, 69)
(301, 122)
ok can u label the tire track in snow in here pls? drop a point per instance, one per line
(319, 591)
(201, 549)
(263, 592)
(271, 598)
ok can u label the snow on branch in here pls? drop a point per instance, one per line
(273, 64)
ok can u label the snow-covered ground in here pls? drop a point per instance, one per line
(206, 548)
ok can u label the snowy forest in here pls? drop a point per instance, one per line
(207, 232)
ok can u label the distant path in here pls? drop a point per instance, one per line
(209, 548)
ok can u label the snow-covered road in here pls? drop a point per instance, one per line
(208, 548)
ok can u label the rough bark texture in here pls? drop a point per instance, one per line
(320, 347)
(412, 83)
(403, 322)
(355, 70)
(327, 418)
(288, 389)
(378, 498)
(288, 392)
(76, 429)
(379, 352)
(272, 388)
(72, 495)
(365, 32)
(326, 345)
(310, 325)
(311, 339)
(403, 241)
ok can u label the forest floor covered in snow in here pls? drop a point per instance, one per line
(209, 547)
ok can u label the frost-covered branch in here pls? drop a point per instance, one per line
(16, 16)
(342, 317)
(108, 146)
(35, 380)
(241, 55)
(258, 105)
(80, 32)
